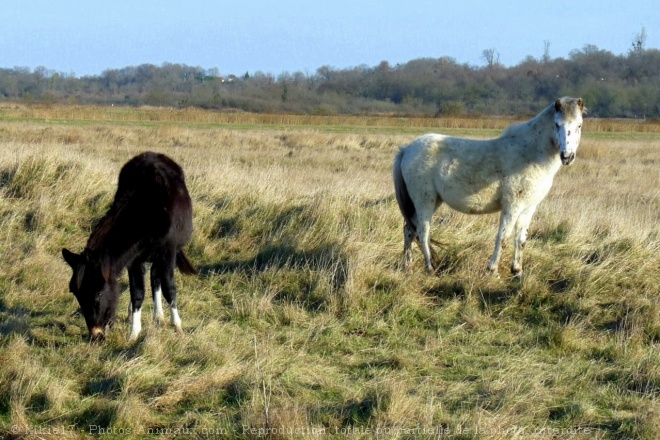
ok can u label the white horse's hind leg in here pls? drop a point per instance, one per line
(409, 236)
(424, 232)
(522, 225)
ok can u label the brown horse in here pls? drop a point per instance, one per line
(150, 220)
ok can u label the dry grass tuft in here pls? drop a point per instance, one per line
(301, 323)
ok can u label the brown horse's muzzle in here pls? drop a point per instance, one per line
(96, 334)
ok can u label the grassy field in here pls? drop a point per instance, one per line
(301, 323)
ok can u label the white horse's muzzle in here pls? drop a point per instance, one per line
(567, 159)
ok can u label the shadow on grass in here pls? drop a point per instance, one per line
(110, 387)
(451, 290)
(561, 285)
(37, 327)
(350, 414)
(232, 226)
(327, 258)
(100, 413)
(14, 320)
(558, 234)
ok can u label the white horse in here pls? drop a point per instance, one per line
(512, 173)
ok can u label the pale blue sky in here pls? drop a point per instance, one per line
(238, 36)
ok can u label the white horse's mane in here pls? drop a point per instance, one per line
(568, 107)
(513, 128)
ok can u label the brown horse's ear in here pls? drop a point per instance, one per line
(75, 261)
(558, 105)
(105, 267)
(580, 104)
(71, 258)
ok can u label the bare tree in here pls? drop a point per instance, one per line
(325, 72)
(491, 56)
(639, 41)
(546, 51)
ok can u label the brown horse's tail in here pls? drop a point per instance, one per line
(406, 204)
(184, 264)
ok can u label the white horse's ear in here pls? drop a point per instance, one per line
(580, 104)
(558, 105)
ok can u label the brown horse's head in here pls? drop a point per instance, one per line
(95, 289)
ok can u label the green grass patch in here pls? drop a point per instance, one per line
(301, 318)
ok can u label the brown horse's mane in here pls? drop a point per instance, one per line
(106, 226)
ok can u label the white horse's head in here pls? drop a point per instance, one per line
(568, 127)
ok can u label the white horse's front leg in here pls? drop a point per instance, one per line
(522, 225)
(504, 232)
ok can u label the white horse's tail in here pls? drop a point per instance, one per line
(406, 204)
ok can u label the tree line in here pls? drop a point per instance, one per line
(626, 86)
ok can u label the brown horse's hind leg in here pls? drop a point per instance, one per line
(163, 274)
(157, 294)
(136, 287)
